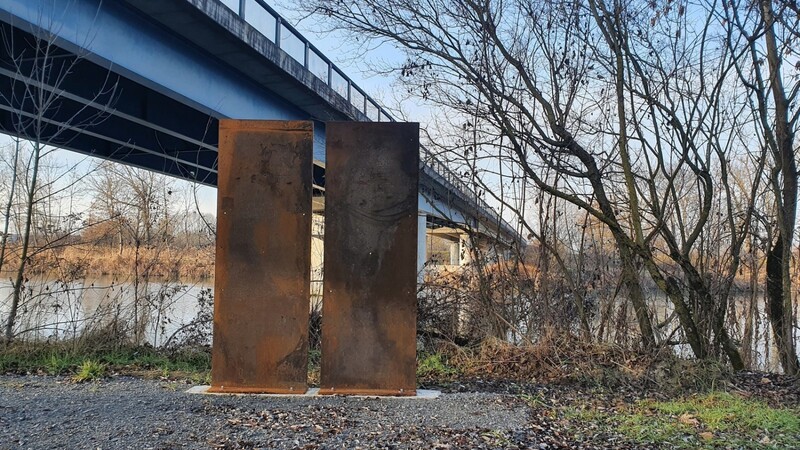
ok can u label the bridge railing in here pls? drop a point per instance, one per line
(267, 21)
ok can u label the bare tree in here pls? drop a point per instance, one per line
(10, 191)
(767, 69)
(636, 113)
(38, 69)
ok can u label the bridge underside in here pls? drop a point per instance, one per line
(100, 113)
(130, 86)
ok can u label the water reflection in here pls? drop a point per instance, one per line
(54, 309)
(763, 353)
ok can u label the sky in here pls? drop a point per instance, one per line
(358, 59)
(336, 46)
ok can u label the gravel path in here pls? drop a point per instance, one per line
(51, 412)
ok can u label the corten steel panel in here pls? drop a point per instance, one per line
(369, 301)
(263, 263)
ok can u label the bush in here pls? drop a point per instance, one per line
(434, 367)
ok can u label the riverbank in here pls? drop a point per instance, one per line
(81, 260)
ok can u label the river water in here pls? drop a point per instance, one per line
(765, 354)
(54, 309)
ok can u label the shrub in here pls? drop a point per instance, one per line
(90, 370)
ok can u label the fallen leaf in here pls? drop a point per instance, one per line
(688, 419)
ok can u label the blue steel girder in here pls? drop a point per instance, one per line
(115, 36)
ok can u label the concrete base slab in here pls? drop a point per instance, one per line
(422, 394)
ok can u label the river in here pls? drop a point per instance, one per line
(53, 309)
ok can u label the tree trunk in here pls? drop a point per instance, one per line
(784, 184)
(781, 328)
(26, 234)
(630, 276)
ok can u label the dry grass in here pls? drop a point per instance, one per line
(82, 260)
(554, 357)
(557, 358)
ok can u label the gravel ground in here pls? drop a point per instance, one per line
(40, 412)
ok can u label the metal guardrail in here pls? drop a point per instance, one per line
(275, 28)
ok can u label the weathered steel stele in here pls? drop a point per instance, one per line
(263, 261)
(370, 283)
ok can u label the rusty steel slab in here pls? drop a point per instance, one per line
(263, 261)
(369, 301)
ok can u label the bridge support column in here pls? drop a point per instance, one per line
(422, 245)
(464, 249)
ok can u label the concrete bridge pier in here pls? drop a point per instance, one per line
(422, 249)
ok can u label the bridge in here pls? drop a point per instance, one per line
(162, 73)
